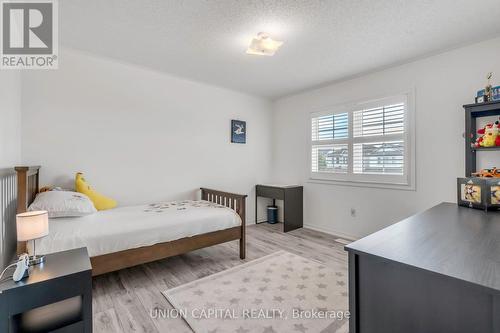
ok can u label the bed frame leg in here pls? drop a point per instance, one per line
(242, 248)
(242, 212)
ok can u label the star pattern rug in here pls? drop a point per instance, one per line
(281, 292)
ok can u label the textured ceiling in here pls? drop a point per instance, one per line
(324, 40)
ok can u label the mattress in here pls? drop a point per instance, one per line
(131, 227)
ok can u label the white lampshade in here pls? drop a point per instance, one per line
(32, 225)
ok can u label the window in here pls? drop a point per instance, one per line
(366, 142)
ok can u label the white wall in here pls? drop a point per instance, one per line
(141, 136)
(10, 118)
(443, 83)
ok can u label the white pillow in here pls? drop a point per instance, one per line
(63, 204)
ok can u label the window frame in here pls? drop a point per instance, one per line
(405, 181)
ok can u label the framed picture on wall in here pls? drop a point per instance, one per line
(238, 131)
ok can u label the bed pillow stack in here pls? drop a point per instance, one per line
(63, 204)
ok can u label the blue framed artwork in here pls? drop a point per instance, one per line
(238, 131)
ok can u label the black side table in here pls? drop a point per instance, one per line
(56, 297)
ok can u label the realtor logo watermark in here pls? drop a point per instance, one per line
(29, 35)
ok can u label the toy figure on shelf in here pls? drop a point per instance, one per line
(487, 173)
(490, 135)
(488, 88)
(495, 195)
(471, 193)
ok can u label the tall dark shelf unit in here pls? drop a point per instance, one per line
(472, 112)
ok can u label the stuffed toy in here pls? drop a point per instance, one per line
(487, 173)
(49, 188)
(100, 201)
(490, 135)
(46, 189)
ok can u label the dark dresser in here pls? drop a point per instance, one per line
(56, 297)
(435, 272)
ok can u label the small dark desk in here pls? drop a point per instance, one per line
(56, 297)
(435, 272)
(292, 203)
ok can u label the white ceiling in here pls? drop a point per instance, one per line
(324, 40)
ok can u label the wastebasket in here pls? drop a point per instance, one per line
(272, 214)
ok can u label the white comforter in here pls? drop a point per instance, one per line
(135, 226)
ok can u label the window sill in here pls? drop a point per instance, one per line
(390, 186)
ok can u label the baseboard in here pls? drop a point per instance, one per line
(259, 220)
(332, 232)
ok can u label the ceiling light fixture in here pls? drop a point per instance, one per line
(262, 44)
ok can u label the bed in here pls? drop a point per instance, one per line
(127, 236)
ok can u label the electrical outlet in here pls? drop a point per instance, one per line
(353, 212)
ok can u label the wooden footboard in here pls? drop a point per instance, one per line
(234, 201)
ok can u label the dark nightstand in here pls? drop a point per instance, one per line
(56, 297)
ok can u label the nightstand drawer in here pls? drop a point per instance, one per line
(270, 192)
(50, 317)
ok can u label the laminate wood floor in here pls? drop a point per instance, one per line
(124, 301)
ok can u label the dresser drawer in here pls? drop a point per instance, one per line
(270, 192)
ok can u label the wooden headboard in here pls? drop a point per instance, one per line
(28, 182)
(18, 188)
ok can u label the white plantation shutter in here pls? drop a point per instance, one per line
(329, 127)
(379, 158)
(330, 158)
(368, 143)
(329, 151)
(382, 120)
(378, 140)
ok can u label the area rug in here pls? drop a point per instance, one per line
(281, 292)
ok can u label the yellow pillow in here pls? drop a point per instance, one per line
(100, 201)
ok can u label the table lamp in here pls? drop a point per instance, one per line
(31, 226)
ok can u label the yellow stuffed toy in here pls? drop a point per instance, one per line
(100, 201)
